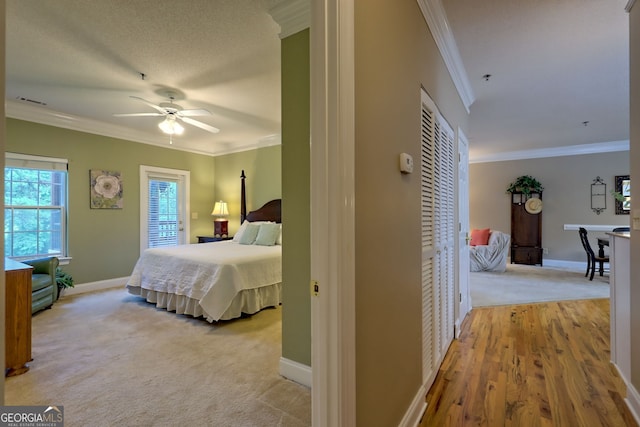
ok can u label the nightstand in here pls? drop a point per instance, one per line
(207, 239)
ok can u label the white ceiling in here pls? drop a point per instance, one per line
(84, 59)
(554, 64)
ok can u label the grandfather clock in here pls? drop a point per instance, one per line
(526, 228)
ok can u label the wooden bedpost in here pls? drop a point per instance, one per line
(243, 199)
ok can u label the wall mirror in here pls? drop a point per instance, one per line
(623, 194)
(598, 195)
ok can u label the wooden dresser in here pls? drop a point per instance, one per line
(17, 317)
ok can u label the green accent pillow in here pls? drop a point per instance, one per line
(249, 234)
(268, 234)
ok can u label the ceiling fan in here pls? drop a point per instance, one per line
(172, 113)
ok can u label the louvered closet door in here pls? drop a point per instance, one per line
(427, 175)
(446, 245)
(437, 192)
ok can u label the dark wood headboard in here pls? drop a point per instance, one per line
(270, 211)
(243, 198)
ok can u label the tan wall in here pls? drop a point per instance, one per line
(566, 197)
(394, 55)
(634, 40)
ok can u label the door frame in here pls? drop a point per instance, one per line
(333, 397)
(464, 303)
(184, 193)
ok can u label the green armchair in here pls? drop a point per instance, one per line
(44, 289)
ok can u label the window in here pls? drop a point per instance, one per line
(163, 219)
(35, 198)
(164, 196)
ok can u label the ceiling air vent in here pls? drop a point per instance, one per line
(33, 101)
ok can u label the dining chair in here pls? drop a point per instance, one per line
(592, 258)
(621, 229)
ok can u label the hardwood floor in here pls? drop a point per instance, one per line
(530, 365)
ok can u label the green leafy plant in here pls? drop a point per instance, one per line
(525, 184)
(63, 279)
(618, 196)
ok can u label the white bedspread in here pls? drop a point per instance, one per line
(211, 273)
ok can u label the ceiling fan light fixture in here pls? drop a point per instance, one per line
(170, 126)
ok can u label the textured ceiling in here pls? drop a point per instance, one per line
(85, 59)
(554, 64)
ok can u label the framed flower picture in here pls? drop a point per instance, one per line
(106, 189)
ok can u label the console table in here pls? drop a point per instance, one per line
(17, 317)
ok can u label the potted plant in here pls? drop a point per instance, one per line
(525, 184)
(63, 280)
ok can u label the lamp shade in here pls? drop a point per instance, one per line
(170, 126)
(220, 209)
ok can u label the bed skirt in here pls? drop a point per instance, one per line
(248, 301)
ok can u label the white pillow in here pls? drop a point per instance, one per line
(249, 234)
(267, 234)
(238, 235)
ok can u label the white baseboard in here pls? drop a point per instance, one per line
(633, 401)
(414, 414)
(96, 286)
(295, 371)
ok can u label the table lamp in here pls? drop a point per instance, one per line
(220, 224)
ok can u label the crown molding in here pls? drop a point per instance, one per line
(29, 113)
(570, 150)
(268, 141)
(438, 24)
(293, 16)
(629, 5)
(35, 114)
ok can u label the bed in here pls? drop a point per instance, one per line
(217, 280)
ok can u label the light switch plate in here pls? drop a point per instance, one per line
(406, 163)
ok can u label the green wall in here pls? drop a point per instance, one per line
(262, 168)
(105, 244)
(296, 251)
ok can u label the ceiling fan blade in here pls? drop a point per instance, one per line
(138, 114)
(194, 112)
(154, 106)
(199, 124)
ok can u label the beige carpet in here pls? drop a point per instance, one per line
(112, 359)
(526, 284)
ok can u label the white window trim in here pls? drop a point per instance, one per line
(28, 161)
(145, 172)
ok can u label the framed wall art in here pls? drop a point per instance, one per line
(623, 194)
(106, 189)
